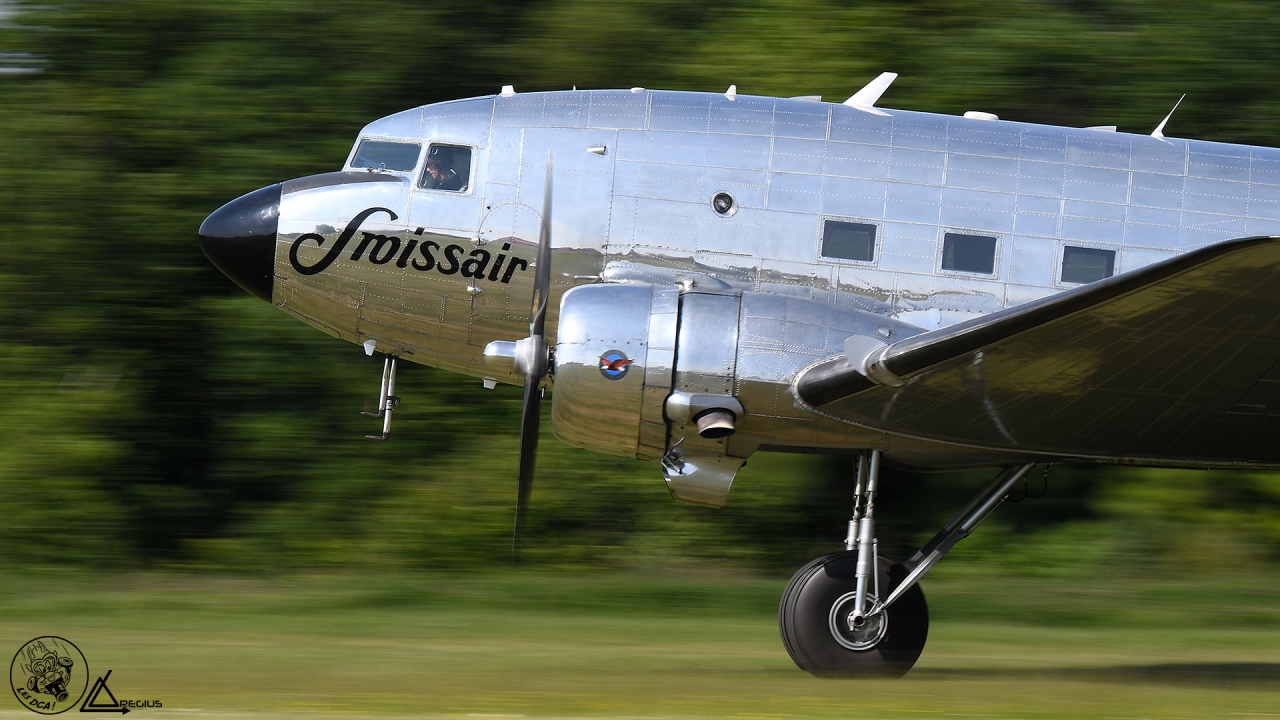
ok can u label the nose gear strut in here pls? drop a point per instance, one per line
(387, 400)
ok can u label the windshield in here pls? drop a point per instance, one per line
(387, 155)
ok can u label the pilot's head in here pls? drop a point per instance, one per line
(438, 166)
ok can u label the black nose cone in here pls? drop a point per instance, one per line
(240, 239)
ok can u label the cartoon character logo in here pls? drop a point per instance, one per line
(614, 364)
(49, 675)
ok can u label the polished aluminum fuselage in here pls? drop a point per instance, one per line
(635, 172)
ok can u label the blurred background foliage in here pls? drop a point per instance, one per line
(154, 415)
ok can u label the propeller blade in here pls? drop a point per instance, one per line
(530, 415)
(533, 360)
(542, 274)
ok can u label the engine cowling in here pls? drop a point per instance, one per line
(622, 388)
(615, 354)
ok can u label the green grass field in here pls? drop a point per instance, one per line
(614, 645)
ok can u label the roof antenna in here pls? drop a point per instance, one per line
(865, 99)
(1158, 133)
(732, 92)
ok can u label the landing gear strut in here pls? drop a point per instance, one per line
(854, 614)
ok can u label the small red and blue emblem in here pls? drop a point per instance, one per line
(614, 364)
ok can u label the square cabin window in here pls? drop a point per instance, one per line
(1085, 265)
(387, 155)
(969, 253)
(448, 168)
(848, 241)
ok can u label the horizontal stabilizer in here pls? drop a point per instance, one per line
(1175, 363)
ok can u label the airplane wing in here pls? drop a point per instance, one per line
(1177, 363)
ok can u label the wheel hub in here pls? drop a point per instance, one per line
(853, 629)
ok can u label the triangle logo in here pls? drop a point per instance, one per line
(96, 703)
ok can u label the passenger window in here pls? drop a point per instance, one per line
(848, 241)
(386, 155)
(969, 253)
(1085, 265)
(448, 168)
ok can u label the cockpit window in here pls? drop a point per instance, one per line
(387, 155)
(448, 168)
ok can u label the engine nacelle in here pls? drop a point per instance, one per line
(615, 353)
(655, 372)
(622, 388)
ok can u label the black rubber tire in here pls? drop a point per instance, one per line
(804, 621)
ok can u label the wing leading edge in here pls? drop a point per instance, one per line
(1176, 363)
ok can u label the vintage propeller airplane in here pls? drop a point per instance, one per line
(729, 273)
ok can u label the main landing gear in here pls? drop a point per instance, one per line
(855, 614)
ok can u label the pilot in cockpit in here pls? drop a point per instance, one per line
(440, 174)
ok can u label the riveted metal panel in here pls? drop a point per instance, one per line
(519, 110)
(1031, 260)
(1165, 157)
(1043, 144)
(1215, 196)
(659, 371)
(730, 240)
(1218, 161)
(707, 343)
(745, 115)
(917, 166)
(977, 210)
(908, 247)
(799, 155)
(1097, 184)
(800, 119)
(912, 203)
(568, 110)
(1041, 178)
(1158, 191)
(1142, 235)
(738, 151)
(854, 197)
(1089, 148)
(982, 137)
(795, 192)
(919, 131)
(851, 125)
(684, 148)
(1030, 223)
(1094, 210)
(683, 111)
(976, 172)
(616, 109)
(1092, 229)
(857, 160)
(1266, 207)
(1265, 170)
